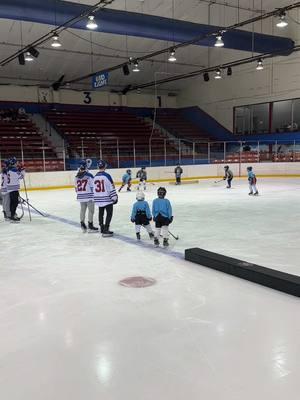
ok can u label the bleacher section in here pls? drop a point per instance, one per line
(175, 123)
(20, 138)
(108, 133)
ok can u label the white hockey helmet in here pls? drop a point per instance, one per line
(140, 196)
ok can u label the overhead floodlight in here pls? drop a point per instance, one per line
(172, 57)
(229, 71)
(136, 67)
(218, 74)
(28, 57)
(21, 59)
(282, 22)
(260, 65)
(206, 76)
(91, 24)
(55, 41)
(219, 41)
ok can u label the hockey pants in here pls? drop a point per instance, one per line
(83, 207)
(14, 201)
(147, 227)
(6, 204)
(109, 213)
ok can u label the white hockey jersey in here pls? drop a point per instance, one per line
(104, 190)
(84, 187)
(4, 183)
(14, 176)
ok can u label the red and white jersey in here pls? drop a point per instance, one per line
(104, 190)
(4, 183)
(84, 187)
(14, 176)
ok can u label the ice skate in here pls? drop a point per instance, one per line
(107, 232)
(256, 194)
(83, 226)
(166, 242)
(250, 194)
(156, 242)
(138, 236)
(15, 219)
(92, 228)
(128, 190)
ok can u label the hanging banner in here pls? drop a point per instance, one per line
(100, 80)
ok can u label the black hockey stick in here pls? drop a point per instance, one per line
(31, 206)
(221, 180)
(175, 237)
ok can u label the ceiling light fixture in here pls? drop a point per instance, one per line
(219, 41)
(28, 57)
(136, 67)
(91, 24)
(218, 74)
(55, 41)
(260, 65)
(282, 23)
(172, 57)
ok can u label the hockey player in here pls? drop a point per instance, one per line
(85, 196)
(162, 216)
(228, 176)
(105, 197)
(15, 173)
(178, 171)
(126, 180)
(252, 182)
(142, 176)
(141, 215)
(4, 194)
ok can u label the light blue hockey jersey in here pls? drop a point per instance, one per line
(162, 207)
(142, 207)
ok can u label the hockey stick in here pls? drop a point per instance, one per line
(26, 195)
(21, 202)
(221, 180)
(175, 237)
(30, 205)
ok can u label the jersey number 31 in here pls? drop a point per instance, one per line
(99, 186)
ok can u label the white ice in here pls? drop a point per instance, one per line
(70, 331)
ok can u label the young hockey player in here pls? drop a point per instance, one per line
(4, 194)
(228, 176)
(162, 216)
(126, 180)
(178, 172)
(252, 182)
(15, 173)
(141, 215)
(142, 176)
(105, 197)
(85, 196)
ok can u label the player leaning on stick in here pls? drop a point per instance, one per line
(228, 176)
(4, 194)
(105, 196)
(141, 215)
(142, 176)
(126, 180)
(15, 173)
(162, 216)
(252, 182)
(84, 190)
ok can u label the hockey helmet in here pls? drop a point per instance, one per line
(143, 168)
(12, 161)
(6, 163)
(140, 196)
(129, 171)
(226, 167)
(249, 168)
(102, 164)
(83, 165)
(161, 192)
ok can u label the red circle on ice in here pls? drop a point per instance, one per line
(137, 282)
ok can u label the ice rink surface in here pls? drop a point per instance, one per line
(70, 331)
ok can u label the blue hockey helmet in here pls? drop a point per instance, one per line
(6, 163)
(12, 161)
(83, 164)
(143, 167)
(102, 164)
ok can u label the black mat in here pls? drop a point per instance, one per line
(251, 272)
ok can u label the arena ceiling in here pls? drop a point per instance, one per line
(84, 51)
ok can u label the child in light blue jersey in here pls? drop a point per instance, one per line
(162, 215)
(252, 182)
(126, 180)
(141, 215)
